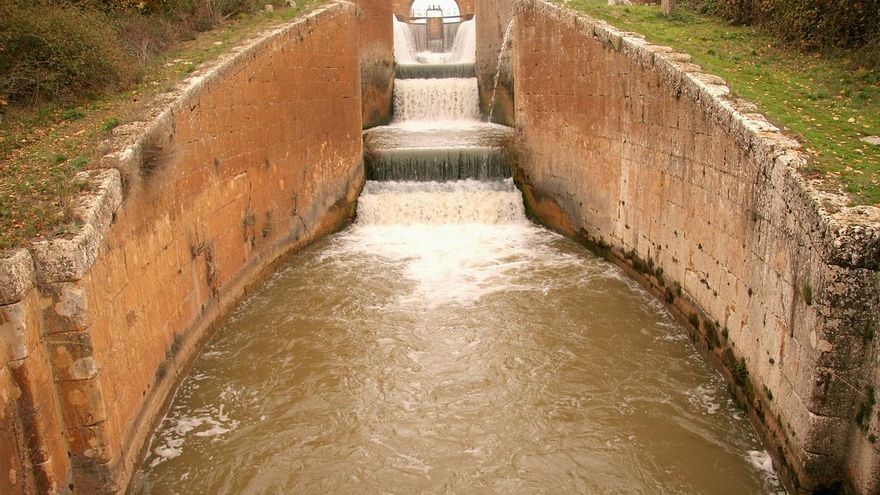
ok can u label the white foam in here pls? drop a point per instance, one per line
(761, 460)
(175, 431)
(432, 203)
(704, 398)
(458, 242)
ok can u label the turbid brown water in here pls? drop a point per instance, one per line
(443, 344)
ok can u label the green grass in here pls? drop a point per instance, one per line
(42, 148)
(827, 102)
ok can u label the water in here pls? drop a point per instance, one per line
(435, 71)
(445, 344)
(405, 49)
(425, 150)
(436, 99)
(437, 133)
(410, 46)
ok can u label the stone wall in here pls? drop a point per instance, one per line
(493, 21)
(33, 449)
(247, 160)
(632, 149)
(377, 61)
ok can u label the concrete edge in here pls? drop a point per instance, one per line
(851, 234)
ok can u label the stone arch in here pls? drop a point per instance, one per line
(403, 7)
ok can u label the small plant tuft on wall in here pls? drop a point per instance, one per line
(248, 221)
(808, 294)
(741, 372)
(863, 417)
(694, 320)
(670, 295)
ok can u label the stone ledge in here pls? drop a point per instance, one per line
(850, 234)
(68, 260)
(16, 276)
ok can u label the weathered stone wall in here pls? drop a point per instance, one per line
(377, 61)
(33, 451)
(248, 160)
(493, 20)
(632, 149)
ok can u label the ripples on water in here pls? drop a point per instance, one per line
(434, 349)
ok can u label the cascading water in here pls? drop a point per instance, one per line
(415, 64)
(404, 43)
(436, 133)
(436, 99)
(464, 50)
(461, 202)
(445, 344)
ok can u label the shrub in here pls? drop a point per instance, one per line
(808, 23)
(145, 36)
(68, 50)
(55, 51)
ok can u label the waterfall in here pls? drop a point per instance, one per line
(410, 45)
(464, 49)
(436, 203)
(438, 164)
(435, 71)
(436, 99)
(436, 134)
(404, 43)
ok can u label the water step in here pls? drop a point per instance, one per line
(454, 98)
(441, 203)
(436, 164)
(469, 135)
(435, 71)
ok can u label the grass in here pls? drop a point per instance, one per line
(827, 102)
(42, 148)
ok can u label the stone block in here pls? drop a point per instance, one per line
(14, 332)
(66, 308)
(82, 402)
(92, 443)
(72, 356)
(16, 276)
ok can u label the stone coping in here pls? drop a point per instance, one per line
(69, 258)
(849, 236)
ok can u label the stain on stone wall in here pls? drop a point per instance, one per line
(377, 61)
(246, 161)
(632, 149)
